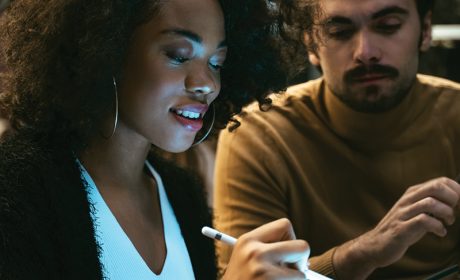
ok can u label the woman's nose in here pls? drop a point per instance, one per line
(201, 82)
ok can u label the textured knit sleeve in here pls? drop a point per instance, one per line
(247, 193)
(25, 251)
(257, 179)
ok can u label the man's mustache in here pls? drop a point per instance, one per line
(375, 69)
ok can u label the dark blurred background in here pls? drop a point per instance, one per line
(444, 56)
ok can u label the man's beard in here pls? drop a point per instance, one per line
(383, 103)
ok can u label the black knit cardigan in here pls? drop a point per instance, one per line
(46, 230)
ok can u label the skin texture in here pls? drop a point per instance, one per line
(368, 52)
(258, 260)
(164, 69)
(423, 209)
(173, 63)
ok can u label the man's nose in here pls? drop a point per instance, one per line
(367, 50)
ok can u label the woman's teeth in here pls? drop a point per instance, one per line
(187, 114)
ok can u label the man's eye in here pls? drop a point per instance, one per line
(340, 33)
(388, 28)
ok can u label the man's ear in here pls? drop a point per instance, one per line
(314, 59)
(312, 55)
(425, 41)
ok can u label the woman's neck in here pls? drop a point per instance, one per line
(118, 160)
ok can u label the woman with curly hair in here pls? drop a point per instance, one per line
(93, 88)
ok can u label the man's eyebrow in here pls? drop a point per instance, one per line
(190, 35)
(381, 13)
(336, 20)
(390, 10)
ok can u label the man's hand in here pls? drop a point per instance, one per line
(424, 208)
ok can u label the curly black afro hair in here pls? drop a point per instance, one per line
(61, 55)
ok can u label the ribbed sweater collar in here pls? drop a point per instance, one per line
(371, 130)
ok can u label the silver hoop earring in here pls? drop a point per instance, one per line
(116, 109)
(210, 127)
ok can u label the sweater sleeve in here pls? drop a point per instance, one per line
(247, 194)
(323, 264)
(25, 249)
(254, 185)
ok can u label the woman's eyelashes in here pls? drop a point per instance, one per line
(177, 58)
(216, 64)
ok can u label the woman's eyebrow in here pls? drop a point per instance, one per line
(185, 33)
(190, 35)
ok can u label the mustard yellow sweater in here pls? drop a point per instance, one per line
(335, 172)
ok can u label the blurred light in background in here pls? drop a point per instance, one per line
(446, 32)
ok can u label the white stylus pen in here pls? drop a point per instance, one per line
(214, 234)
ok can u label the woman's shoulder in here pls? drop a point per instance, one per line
(20, 150)
(22, 165)
(29, 170)
(39, 190)
(20, 158)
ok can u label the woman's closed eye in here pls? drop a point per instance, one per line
(177, 58)
(217, 61)
(216, 65)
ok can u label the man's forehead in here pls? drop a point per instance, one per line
(362, 8)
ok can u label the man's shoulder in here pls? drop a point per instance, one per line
(310, 88)
(289, 110)
(438, 84)
(284, 104)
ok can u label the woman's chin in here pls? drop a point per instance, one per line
(177, 146)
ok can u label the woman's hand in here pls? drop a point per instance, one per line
(269, 252)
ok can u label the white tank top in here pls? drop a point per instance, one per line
(119, 257)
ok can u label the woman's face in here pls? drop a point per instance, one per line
(172, 73)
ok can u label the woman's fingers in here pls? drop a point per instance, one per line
(269, 252)
(278, 230)
(292, 253)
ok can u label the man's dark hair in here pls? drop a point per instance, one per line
(423, 7)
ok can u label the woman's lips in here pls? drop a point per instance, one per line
(190, 116)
